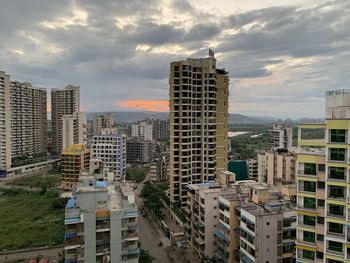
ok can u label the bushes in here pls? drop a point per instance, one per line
(151, 195)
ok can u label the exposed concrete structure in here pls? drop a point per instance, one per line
(138, 151)
(198, 124)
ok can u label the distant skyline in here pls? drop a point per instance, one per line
(281, 55)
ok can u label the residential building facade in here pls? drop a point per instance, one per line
(277, 166)
(111, 149)
(64, 102)
(138, 151)
(28, 120)
(143, 130)
(101, 223)
(102, 122)
(281, 136)
(198, 141)
(5, 122)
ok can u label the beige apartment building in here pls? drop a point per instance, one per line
(64, 102)
(105, 121)
(277, 167)
(198, 124)
(5, 122)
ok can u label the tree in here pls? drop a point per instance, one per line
(145, 257)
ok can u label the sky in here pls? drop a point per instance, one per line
(281, 55)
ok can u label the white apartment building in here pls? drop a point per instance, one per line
(143, 130)
(111, 149)
(281, 136)
(5, 122)
(101, 223)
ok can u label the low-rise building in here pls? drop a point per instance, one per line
(101, 223)
(277, 167)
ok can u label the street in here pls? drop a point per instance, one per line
(149, 234)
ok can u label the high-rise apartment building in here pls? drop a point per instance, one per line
(64, 102)
(28, 120)
(101, 223)
(323, 184)
(198, 124)
(100, 122)
(143, 130)
(111, 149)
(281, 136)
(160, 129)
(5, 122)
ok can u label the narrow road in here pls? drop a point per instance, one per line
(149, 234)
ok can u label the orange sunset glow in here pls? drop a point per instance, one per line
(147, 105)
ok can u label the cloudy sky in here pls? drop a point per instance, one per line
(282, 55)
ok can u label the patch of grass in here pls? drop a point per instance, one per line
(50, 180)
(30, 219)
(136, 174)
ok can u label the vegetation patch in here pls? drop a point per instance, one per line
(49, 180)
(136, 174)
(31, 219)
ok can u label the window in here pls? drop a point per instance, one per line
(337, 154)
(336, 210)
(321, 167)
(310, 168)
(309, 202)
(335, 228)
(320, 220)
(309, 236)
(309, 186)
(308, 254)
(338, 135)
(320, 202)
(336, 191)
(309, 220)
(321, 185)
(337, 173)
(319, 254)
(335, 246)
(320, 237)
(268, 223)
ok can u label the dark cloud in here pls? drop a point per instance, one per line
(106, 60)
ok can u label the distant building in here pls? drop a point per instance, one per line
(160, 129)
(252, 167)
(101, 223)
(277, 166)
(138, 151)
(281, 136)
(101, 122)
(28, 120)
(5, 122)
(111, 149)
(64, 102)
(75, 159)
(143, 130)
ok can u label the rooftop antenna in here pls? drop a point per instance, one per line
(211, 53)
